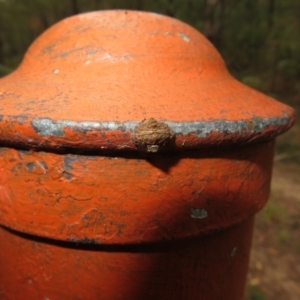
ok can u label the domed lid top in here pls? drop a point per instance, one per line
(130, 80)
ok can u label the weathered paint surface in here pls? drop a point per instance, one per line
(117, 200)
(88, 85)
(91, 214)
(213, 267)
(44, 133)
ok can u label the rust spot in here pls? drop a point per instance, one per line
(151, 135)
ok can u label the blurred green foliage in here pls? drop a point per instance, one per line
(259, 39)
(274, 212)
(256, 293)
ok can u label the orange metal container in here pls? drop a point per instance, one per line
(132, 164)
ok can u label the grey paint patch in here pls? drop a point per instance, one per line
(68, 161)
(67, 175)
(47, 127)
(201, 129)
(30, 166)
(199, 213)
(184, 37)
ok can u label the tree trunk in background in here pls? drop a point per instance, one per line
(170, 8)
(75, 9)
(1, 50)
(222, 23)
(276, 46)
(273, 77)
(214, 25)
(271, 12)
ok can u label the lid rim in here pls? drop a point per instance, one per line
(45, 133)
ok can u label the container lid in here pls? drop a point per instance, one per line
(127, 80)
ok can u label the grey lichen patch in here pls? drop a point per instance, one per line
(154, 135)
(152, 131)
(199, 213)
(47, 127)
(69, 160)
(67, 175)
(204, 128)
(184, 37)
(30, 166)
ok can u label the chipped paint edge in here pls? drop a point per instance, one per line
(46, 133)
(47, 127)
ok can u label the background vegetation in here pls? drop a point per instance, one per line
(260, 42)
